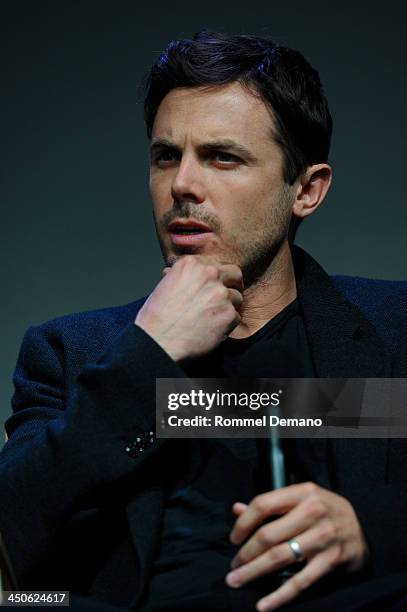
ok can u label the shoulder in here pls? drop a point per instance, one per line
(116, 316)
(364, 287)
(382, 302)
(374, 297)
(87, 332)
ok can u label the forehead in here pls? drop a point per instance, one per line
(228, 111)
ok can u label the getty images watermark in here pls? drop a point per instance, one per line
(218, 400)
(295, 407)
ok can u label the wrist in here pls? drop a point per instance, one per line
(174, 349)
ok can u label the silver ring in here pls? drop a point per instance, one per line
(296, 550)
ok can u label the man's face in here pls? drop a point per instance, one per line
(216, 178)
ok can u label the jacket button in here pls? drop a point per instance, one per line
(137, 446)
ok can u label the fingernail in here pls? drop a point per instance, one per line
(233, 579)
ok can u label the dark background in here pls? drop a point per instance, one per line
(77, 230)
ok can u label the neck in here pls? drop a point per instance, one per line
(268, 296)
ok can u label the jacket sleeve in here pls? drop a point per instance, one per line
(64, 450)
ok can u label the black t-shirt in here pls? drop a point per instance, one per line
(279, 348)
(195, 552)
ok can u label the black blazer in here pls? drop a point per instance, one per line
(82, 478)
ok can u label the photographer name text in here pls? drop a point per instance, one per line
(220, 421)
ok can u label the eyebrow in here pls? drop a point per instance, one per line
(226, 144)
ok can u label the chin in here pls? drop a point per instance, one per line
(171, 256)
(171, 259)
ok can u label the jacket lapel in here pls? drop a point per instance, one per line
(342, 341)
(343, 344)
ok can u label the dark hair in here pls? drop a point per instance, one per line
(281, 76)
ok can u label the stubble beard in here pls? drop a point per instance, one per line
(260, 260)
(255, 260)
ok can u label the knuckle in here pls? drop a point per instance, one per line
(188, 260)
(277, 555)
(211, 272)
(327, 531)
(219, 296)
(309, 488)
(264, 536)
(260, 504)
(315, 508)
(222, 292)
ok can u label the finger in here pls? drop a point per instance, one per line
(311, 542)
(235, 297)
(278, 557)
(231, 276)
(318, 566)
(297, 521)
(238, 508)
(273, 559)
(263, 506)
(236, 321)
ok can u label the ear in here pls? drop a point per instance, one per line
(312, 189)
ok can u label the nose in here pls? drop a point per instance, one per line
(188, 182)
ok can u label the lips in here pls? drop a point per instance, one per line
(188, 226)
(189, 233)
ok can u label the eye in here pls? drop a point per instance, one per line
(164, 157)
(225, 159)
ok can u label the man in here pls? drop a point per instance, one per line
(92, 501)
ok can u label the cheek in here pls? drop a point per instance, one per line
(248, 203)
(160, 192)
